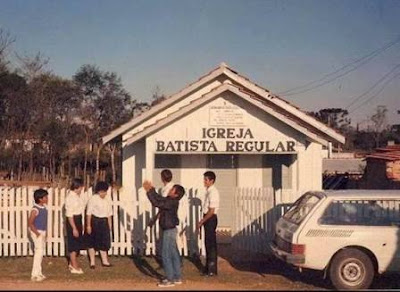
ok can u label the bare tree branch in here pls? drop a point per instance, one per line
(31, 67)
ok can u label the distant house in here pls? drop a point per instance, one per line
(342, 171)
(396, 128)
(383, 169)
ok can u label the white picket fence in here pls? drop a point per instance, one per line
(130, 231)
(256, 210)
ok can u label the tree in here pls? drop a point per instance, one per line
(157, 96)
(336, 118)
(57, 102)
(6, 40)
(14, 118)
(31, 67)
(106, 105)
(379, 120)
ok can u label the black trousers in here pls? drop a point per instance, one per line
(210, 227)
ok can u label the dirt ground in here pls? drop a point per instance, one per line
(238, 270)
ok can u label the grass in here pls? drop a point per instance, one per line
(144, 269)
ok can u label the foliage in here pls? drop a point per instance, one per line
(53, 125)
(336, 118)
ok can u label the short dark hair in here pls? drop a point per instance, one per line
(39, 194)
(210, 175)
(76, 183)
(179, 190)
(101, 186)
(166, 175)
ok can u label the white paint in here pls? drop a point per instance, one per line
(250, 171)
(306, 170)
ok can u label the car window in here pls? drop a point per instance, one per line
(362, 212)
(301, 208)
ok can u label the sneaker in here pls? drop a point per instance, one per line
(36, 279)
(42, 276)
(76, 271)
(210, 274)
(70, 267)
(166, 283)
(178, 282)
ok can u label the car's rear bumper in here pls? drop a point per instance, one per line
(296, 260)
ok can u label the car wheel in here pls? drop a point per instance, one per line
(351, 269)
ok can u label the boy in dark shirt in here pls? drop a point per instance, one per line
(168, 221)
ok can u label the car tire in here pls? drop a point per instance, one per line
(351, 269)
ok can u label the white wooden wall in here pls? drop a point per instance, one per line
(130, 232)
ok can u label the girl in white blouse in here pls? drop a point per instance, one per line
(98, 224)
(75, 204)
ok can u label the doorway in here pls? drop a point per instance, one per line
(225, 168)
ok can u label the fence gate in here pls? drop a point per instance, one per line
(255, 213)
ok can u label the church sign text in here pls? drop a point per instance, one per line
(225, 140)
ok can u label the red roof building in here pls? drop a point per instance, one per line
(383, 168)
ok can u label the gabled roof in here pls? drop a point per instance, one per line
(271, 103)
(206, 99)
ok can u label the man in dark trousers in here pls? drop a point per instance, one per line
(210, 222)
(168, 221)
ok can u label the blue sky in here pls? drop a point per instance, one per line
(170, 43)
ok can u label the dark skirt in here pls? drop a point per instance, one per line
(100, 238)
(75, 243)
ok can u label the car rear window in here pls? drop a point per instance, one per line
(301, 208)
(362, 212)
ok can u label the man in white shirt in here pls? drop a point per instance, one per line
(166, 178)
(210, 222)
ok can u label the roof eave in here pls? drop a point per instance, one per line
(159, 107)
(207, 97)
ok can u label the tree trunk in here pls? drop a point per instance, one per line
(112, 154)
(62, 166)
(86, 159)
(19, 176)
(51, 165)
(69, 166)
(31, 165)
(97, 174)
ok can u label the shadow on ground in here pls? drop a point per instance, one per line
(263, 265)
(143, 265)
(269, 265)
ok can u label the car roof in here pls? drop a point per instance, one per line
(358, 194)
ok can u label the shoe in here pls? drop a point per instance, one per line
(70, 267)
(92, 267)
(210, 275)
(106, 265)
(37, 279)
(42, 276)
(166, 283)
(76, 271)
(178, 282)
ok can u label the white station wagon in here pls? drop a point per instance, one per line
(349, 234)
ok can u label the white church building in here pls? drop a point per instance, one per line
(225, 123)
